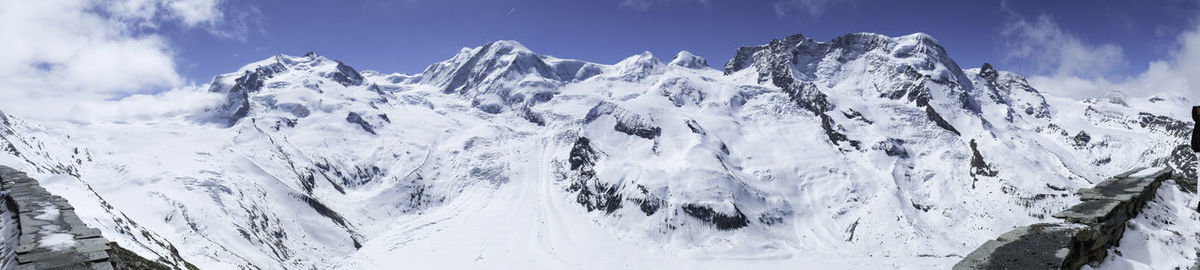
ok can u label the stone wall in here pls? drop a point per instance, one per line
(51, 235)
(1088, 229)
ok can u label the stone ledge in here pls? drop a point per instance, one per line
(90, 249)
(1088, 230)
(1024, 248)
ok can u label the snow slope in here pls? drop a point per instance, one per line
(866, 152)
(1165, 236)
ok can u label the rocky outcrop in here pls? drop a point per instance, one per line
(237, 95)
(53, 237)
(627, 121)
(1088, 231)
(357, 119)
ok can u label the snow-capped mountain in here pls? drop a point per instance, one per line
(866, 151)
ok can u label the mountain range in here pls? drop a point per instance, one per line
(865, 151)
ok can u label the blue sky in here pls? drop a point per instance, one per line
(117, 59)
(406, 36)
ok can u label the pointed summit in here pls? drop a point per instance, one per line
(688, 60)
(472, 68)
(638, 67)
(989, 73)
(511, 45)
(505, 73)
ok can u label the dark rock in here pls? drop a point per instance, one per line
(723, 221)
(591, 193)
(627, 121)
(542, 97)
(1093, 227)
(806, 95)
(852, 114)
(835, 136)
(91, 251)
(989, 73)
(327, 212)
(980, 167)
(694, 126)
(892, 147)
(1195, 129)
(346, 75)
(582, 154)
(501, 59)
(648, 203)
(355, 118)
(122, 258)
(237, 96)
(1032, 247)
(1081, 139)
(937, 119)
(1164, 124)
(1183, 162)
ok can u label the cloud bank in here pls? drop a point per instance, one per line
(80, 60)
(1065, 65)
(783, 8)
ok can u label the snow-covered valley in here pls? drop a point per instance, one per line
(864, 152)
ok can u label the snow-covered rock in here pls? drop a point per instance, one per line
(688, 60)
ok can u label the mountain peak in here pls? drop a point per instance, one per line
(989, 73)
(639, 66)
(688, 60)
(509, 44)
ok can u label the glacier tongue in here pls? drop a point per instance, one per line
(866, 151)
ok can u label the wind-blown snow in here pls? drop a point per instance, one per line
(52, 236)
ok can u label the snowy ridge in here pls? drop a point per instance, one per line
(866, 151)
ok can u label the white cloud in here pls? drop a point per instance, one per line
(59, 57)
(645, 5)
(196, 12)
(813, 8)
(1044, 47)
(783, 8)
(184, 101)
(1065, 65)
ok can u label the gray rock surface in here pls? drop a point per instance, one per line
(51, 235)
(1089, 229)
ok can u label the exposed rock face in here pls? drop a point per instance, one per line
(1184, 163)
(1196, 129)
(355, 118)
(980, 167)
(244, 89)
(346, 75)
(941, 122)
(1014, 91)
(627, 122)
(989, 73)
(505, 73)
(723, 221)
(591, 193)
(237, 96)
(799, 65)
